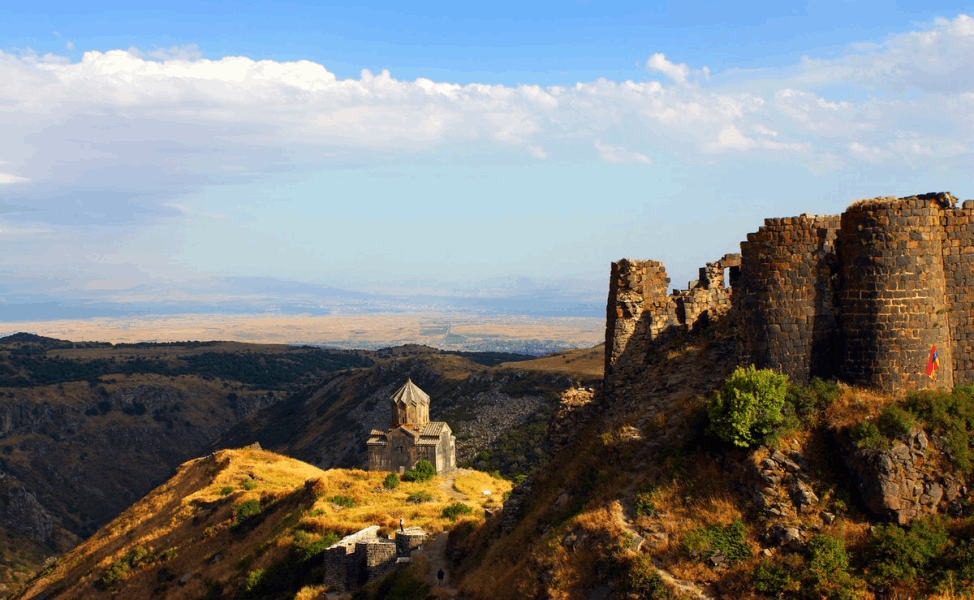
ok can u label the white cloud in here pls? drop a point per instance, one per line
(618, 155)
(69, 45)
(678, 73)
(157, 124)
(6, 178)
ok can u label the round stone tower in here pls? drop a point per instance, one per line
(786, 296)
(410, 405)
(892, 300)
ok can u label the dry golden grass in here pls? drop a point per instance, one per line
(192, 517)
(583, 363)
(854, 405)
(473, 484)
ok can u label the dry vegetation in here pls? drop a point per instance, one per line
(194, 540)
(586, 364)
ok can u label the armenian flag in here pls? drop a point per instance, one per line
(934, 363)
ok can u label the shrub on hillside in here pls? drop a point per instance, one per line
(455, 510)
(899, 554)
(827, 568)
(391, 481)
(420, 497)
(423, 471)
(950, 415)
(807, 401)
(747, 410)
(341, 500)
(705, 542)
(246, 510)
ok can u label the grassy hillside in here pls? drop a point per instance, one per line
(246, 523)
(645, 501)
(88, 428)
(499, 414)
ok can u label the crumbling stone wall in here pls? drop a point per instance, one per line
(639, 310)
(635, 288)
(786, 296)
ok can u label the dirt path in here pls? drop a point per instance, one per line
(447, 481)
(435, 553)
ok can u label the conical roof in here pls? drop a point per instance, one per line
(411, 394)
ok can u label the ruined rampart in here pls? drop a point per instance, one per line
(639, 310)
(861, 296)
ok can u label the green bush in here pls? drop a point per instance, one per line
(747, 410)
(246, 510)
(249, 485)
(807, 401)
(226, 490)
(644, 505)
(900, 554)
(455, 510)
(119, 569)
(420, 497)
(340, 500)
(950, 415)
(645, 580)
(868, 435)
(254, 580)
(423, 471)
(771, 579)
(391, 481)
(731, 541)
(895, 422)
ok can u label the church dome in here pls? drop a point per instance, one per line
(410, 393)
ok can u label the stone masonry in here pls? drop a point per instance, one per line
(639, 310)
(363, 556)
(861, 296)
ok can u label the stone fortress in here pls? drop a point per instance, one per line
(412, 437)
(861, 297)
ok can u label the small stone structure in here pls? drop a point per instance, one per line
(412, 436)
(363, 556)
(861, 297)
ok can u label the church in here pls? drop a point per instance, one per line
(412, 437)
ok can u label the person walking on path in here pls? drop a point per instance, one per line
(439, 575)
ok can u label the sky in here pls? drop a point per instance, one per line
(289, 157)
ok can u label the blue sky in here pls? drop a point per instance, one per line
(191, 157)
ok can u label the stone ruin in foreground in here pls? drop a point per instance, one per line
(363, 556)
(861, 297)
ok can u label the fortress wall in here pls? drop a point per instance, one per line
(638, 310)
(958, 255)
(708, 298)
(786, 296)
(892, 303)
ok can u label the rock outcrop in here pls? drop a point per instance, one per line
(902, 482)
